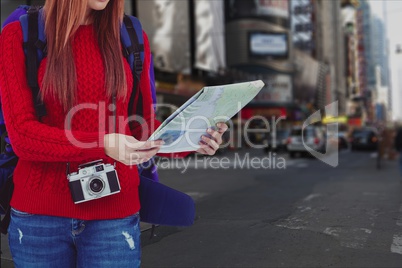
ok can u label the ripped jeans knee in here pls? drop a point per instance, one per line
(39, 241)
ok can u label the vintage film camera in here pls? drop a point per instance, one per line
(93, 180)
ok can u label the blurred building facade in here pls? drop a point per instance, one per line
(381, 62)
(309, 53)
(354, 19)
(258, 46)
(305, 79)
(329, 51)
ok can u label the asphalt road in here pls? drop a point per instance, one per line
(306, 215)
(257, 210)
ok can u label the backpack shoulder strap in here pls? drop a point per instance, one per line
(33, 29)
(152, 78)
(133, 42)
(133, 50)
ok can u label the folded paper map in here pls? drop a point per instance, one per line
(183, 129)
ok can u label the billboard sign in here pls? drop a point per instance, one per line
(277, 8)
(268, 44)
(236, 9)
(278, 88)
(167, 24)
(210, 35)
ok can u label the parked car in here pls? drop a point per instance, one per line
(277, 140)
(256, 135)
(300, 139)
(337, 140)
(364, 139)
(342, 142)
(343, 131)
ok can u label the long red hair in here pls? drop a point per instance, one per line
(62, 19)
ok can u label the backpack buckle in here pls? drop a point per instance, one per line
(137, 63)
(42, 46)
(33, 10)
(127, 51)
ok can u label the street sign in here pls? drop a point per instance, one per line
(304, 27)
(303, 10)
(304, 44)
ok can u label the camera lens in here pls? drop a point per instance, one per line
(96, 185)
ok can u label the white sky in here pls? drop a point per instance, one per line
(391, 12)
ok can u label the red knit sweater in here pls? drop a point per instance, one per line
(44, 148)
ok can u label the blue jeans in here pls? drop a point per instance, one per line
(45, 241)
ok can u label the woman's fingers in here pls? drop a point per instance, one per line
(206, 149)
(138, 157)
(215, 135)
(130, 151)
(211, 142)
(222, 127)
(209, 145)
(133, 143)
(143, 153)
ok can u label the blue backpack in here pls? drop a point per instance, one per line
(159, 204)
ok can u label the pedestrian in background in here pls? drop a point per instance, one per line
(84, 66)
(398, 146)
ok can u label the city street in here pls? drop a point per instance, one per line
(303, 214)
(80, 89)
(308, 215)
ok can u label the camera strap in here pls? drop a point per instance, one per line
(113, 108)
